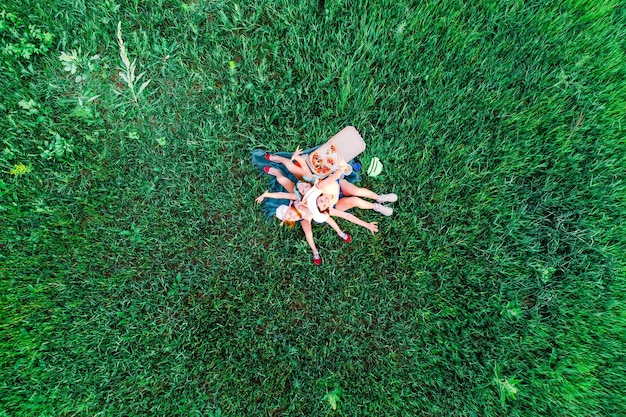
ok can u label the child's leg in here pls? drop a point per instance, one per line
(282, 180)
(291, 167)
(349, 189)
(308, 233)
(346, 203)
(346, 237)
(332, 223)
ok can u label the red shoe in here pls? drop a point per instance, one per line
(267, 156)
(317, 260)
(346, 239)
(266, 169)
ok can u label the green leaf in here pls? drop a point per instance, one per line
(333, 398)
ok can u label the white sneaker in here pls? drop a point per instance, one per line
(384, 210)
(388, 198)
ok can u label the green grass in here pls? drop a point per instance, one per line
(138, 277)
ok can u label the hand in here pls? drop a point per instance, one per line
(297, 153)
(372, 227)
(260, 198)
(340, 163)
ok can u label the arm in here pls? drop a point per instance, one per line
(372, 227)
(330, 179)
(288, 196)
(297, 156)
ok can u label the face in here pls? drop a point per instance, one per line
(323, 202)
(304, 187)
(306, 213)
(291, 215)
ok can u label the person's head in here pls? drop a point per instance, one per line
(312, 205)
(303, 187)
(288, 214)
(323, 202)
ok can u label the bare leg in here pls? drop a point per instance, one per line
(372, 226)
(346, 203)
(343, 235)
(308, 233)
(282, 180)
(332, 223)
(349, 189)
(291, 167)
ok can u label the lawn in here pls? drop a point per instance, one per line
(139, 277)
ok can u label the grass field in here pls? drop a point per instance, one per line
(138, 276)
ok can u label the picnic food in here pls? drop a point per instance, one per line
(323, 165)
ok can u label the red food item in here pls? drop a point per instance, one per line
(317, 161)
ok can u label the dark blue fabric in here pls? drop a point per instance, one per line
(271, 204)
